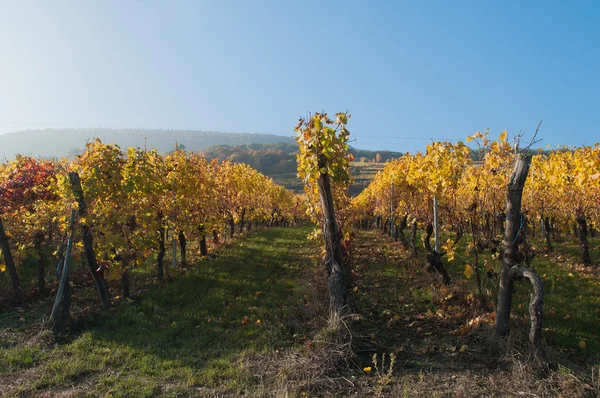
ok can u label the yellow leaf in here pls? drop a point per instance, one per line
(463, 348)
(582, 345)
(451, 255)
(367, 369)
(469, 139)
(2, 267)
(503, 136)
(468, 271)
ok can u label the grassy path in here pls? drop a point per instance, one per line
(187, 339)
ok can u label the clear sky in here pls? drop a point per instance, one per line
(408, 71)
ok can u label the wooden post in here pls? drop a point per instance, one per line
(413, 238)
(60, 318)
(174, 219)
(392, 212)
(436, 226)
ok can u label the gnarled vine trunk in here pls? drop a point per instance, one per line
(535, 310)
(125, 285)
(88, 242)
(400, 232)
(242, 221)
(547, 233)
(434, 258)
(231, 226)
(183, 246)
(338, 273)
(41, 262)
(514, 222)
(583, 239)
(476, 248)
(413, 238)
(160, 236)
(15, 283)
(203, 249)
(511, 271)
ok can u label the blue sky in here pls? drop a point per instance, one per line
(408, 72)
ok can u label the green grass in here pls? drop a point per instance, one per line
(192, 334)
(572, 248)
(571, 305)
(571, 311)
(394, 284)
(571, 300)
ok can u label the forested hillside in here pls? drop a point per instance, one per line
(279, 162)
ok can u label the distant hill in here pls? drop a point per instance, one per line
(279, 162)
(65, 142)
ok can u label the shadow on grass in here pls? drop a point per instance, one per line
(408, 312)
(215, 310)
(194, 332)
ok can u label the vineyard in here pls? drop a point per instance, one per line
(130, 207)
(479, 276)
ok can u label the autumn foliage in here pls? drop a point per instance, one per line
(135, 200)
